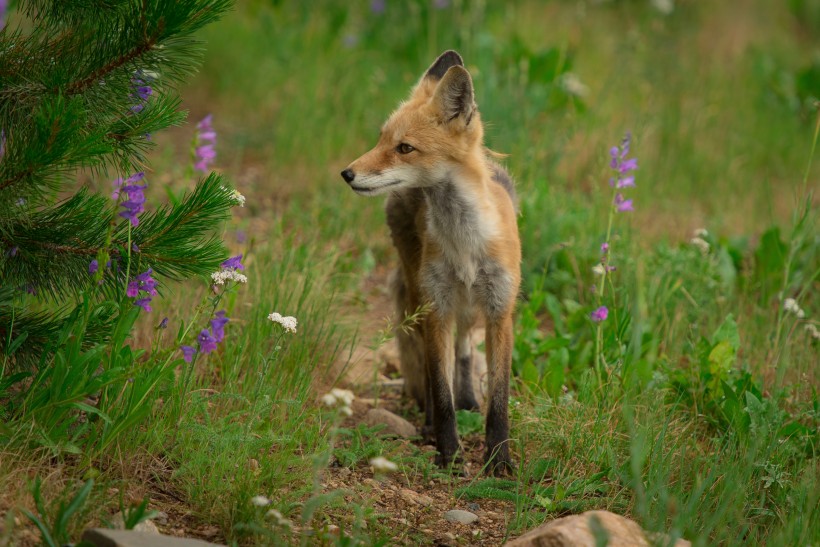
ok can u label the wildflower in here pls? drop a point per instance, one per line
(163, 324)
(573, 85)
(93, 266)
(233, 263)
(378, 6)
(260, 501)
(204, 151)
(147, 283)
(811, 329)
(220, 277)
(623, 205)
(134, 205)
(13, 251)
(599, 314)
(141, 91)
(188, 353)
(604, 248)
(381, 464)
(207, 343)
(20, 201)
(289, 323)
(599, 269)
(344, 396)
(144, 303)
(701, 232)
(218, 325)
(790, 305)
(133, 289)
(622, 166)
(328, 399)
(441, 4)
(700, 243)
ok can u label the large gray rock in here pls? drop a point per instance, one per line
(585, 529)
(396, 425)
(103, 537)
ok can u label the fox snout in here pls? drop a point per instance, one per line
(348, 175)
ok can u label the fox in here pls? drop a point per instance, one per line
(452, 216)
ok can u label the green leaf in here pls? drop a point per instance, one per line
(728, 332)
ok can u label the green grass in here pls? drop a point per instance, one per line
(716, 449)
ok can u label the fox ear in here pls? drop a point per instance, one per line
(454, 95)
(446, 60)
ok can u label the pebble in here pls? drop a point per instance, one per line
(458, 515)
(413, 497)
(472, 506)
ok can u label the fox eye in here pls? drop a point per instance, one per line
(404, 148)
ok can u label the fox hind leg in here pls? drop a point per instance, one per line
(463, 381)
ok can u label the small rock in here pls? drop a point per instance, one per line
(129, 538)
(397, 383)
(396, 425)
(146, 526)
(161, 518)
(372, 483)
(463, 517)
(414, 498)
(449, 536)
(583, 531)
(472, 506)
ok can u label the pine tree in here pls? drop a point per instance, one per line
(83, 86)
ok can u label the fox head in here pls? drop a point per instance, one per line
(437, 130)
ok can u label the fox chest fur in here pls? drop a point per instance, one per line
(458, 273)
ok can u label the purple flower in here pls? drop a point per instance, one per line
(93, 266)
(147, 283)
(163, 324)
(144, 303)
(204, 152)
(2, 131)
(13, 251)
(378, 6)
(599, 315)
(3, 7)
(134, 205)
(604, 248)
(207, 343)
(218, 325)
(133, 289)
(233, 263)
(187, 353)
(622, 165)
(623, 205)
(441, 4)
(141, 91)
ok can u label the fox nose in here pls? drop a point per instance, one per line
(348, 175)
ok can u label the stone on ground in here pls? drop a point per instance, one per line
(396, 425)
(146, 526)
(102, 537)
(463, 517)
(588, 530)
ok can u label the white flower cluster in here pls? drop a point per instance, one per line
(790, 305)
(288, 322)
(381, 464)
(342, 398)
(260, 501)
(222, 276)
(280, 520)
(812, 330)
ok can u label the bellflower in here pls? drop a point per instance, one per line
(233, 263)
(207, 343)
(142, 283)
(144, 303)
(622, 205)
(140, 91)
(93, 266)
(188, 353)
(218, 325)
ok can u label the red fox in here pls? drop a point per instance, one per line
(452, 217)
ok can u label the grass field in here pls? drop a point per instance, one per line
(692, 408)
